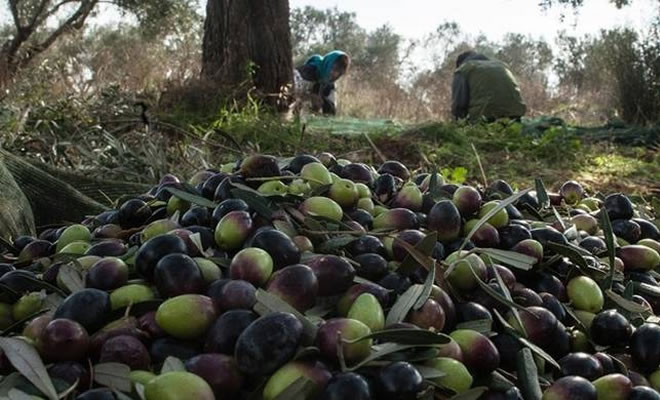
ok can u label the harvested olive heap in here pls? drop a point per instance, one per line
(317, 278)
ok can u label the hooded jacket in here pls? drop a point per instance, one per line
(485, 88)
(317, 69)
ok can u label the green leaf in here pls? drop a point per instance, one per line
(606, 225)
(434, 187)
(6, 289)
(285, 227)
(429, 373)
(539, 352)
(268, 303)
(418, 255)
(426, 291)
(629, 291)
(27, 362)
(257, 202)
(381, 351)
(335, 243)
(301, 389)
(9, 382)
(319, 190)
(507, 295)
(511, 258)
(559, 219)
(472, 394)
(15, 394)
(575, 255)
(531, 210)
(528, 378)
(483, 326)
(70, 278)
(196, 238)
(575, 318)
(139, 389)
(489, 214)
(492, 293)
(535, 349)
(191, 198)
(113, 375)
(404, 304)
(541, 194)
(121, 396)
(627, 305)
(645, 288)
(172, 364)
(418, 337)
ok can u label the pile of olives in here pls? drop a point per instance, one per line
(312, 277)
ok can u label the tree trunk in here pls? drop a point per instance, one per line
(271, 49)
(225, 50)
(241, 34)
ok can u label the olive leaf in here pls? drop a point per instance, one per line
(483, 326)
(285, 227)
(528, 378)
(502, 205)
(120, 396)
(575, 254)
(15, 394)
(113, 375)
(626, 304)
(256, 202)
(534, 348)
(646, 289)
(70, 278)
(541, 194)
(606, 225)
(139, 389)
(494, 294)
(429, 372)
(301, 388)
(335, 243)
(196, 238)
(21, 322)
(191, 198)
(9, 382)
(559, 219)
(27, 362)
(580, 325)
(418, 255)
(172, 364)
(404, 304)
(511, 258)
(472, 394)
(419, 337)
(629, 291)
(267, 303)
(378, 351)
(426, 290)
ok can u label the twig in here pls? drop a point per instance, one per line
(481, 168)
(373, 146)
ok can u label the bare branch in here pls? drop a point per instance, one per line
(35, 18)
(74, 22)
(56, 7)
(13, 7)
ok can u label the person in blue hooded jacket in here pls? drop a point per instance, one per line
(315, 80)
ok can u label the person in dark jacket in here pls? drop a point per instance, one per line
(314, 81)
(485, 89)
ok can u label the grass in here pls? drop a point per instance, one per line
(123, 148)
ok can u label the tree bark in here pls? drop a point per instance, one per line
(271, 50)
(225, 47)
(247, 44)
